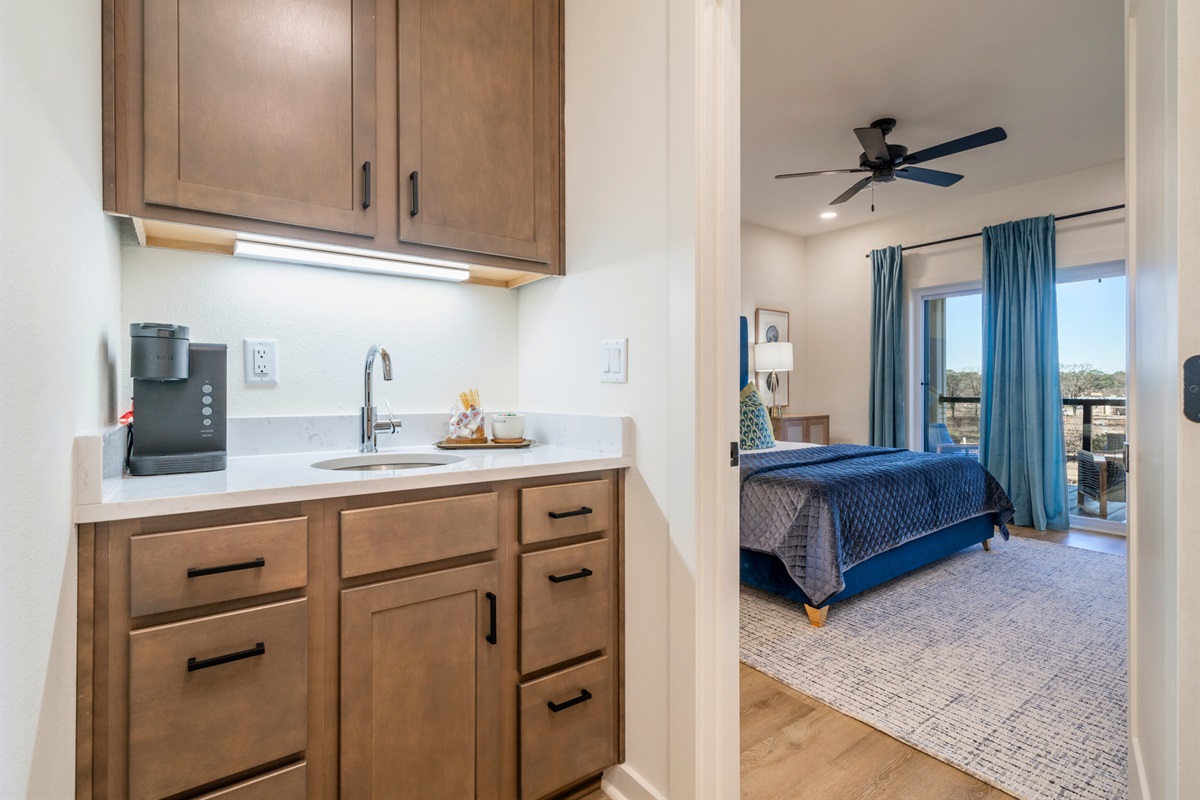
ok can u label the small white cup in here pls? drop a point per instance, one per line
(508, 426)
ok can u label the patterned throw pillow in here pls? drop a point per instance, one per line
(756, 425)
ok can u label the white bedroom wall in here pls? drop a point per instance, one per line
(837, 304)
(443, 338)
(60, 283)
(773, 276)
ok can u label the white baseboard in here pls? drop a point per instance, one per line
(622, 782)
(1139, 786)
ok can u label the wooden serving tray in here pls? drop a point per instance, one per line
(447, 444)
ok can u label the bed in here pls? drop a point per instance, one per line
(820, 524)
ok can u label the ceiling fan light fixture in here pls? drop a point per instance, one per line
(828, 214)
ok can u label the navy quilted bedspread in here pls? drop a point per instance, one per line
(822, 510)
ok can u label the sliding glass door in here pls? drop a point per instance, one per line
(1092, 338)
(952, 378)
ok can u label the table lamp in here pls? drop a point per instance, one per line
(773, 358)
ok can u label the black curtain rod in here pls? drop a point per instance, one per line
(980, 234)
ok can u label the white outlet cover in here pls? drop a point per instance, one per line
(262, 360)
(615, 362)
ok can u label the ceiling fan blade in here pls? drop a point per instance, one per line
(933, 176)
(873, 143)
(853, 190)
(990, 136)
(822, 172)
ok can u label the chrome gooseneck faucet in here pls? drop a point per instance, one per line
(370, 426)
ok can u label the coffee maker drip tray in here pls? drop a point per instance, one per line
(177, 463)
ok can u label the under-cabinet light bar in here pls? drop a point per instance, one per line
(324, 256)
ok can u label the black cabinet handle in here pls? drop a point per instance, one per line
(257, 650)
(583, 573)
(416, 194)
(584, 696)
(196, 572)
(366, 185)
(491, 598)
(565, 514)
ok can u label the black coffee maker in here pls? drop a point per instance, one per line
(179, 420)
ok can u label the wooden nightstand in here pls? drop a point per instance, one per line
(812, 428)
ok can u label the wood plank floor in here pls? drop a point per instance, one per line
(796, 747)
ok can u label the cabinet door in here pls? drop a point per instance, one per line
(421, 695)
(262, 109)
(480, 125)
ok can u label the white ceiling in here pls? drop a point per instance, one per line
(1051, 72)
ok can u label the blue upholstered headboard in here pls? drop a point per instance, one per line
(744, 374)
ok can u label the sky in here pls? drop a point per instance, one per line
(1091, 326)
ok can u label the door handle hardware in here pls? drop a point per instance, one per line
(735, 457)
(257, 650)
(366, 185)
(491, 637)
(583, 573)
(564, 514)
(584, 696)
(196, 572)
(416, 194)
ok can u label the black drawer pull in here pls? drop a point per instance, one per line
(583, 573)
(584, 696)
(196, 572)
(416, 194)
(491, 598)
(366, 185)
(564, 514)
(257, 650)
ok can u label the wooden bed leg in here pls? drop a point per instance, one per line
(816, 616)
(987, 545)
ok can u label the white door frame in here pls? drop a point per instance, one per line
(1162, 64)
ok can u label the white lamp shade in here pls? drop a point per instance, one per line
(773, 357)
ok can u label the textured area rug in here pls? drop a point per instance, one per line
(1010, 665)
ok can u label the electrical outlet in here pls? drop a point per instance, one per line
(262, 360)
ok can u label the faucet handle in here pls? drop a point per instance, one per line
(391, 417)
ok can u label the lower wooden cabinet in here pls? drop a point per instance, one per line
(381, 646)
(421, 679)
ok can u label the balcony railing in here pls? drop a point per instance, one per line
(1088, 404)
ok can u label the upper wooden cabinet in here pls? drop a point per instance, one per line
(262, 108)
(480, 122)
(431, 128)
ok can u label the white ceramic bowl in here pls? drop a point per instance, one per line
(508, 426)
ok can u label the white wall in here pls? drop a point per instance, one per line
(443, 338)
(618, 194)
(58, 332)
(773, 276)
(835, 374)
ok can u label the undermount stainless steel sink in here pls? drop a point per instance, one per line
(388, 461)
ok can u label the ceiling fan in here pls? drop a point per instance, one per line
(886, 162)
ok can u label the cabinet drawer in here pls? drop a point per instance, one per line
(214, 696)
(570, 509)
(390, 537)
(560, 747)
(183, 569)
(566, 604)
(289, 783)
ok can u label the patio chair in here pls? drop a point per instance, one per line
(1089, 480)
(1114, 442)
(940, 441)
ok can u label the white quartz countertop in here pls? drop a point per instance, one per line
(263, 479)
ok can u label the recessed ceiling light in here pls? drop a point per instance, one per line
(828, 214)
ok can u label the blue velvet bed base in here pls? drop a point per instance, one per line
(763, 571)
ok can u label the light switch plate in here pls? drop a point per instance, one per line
(615, 365)
(262, 360)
